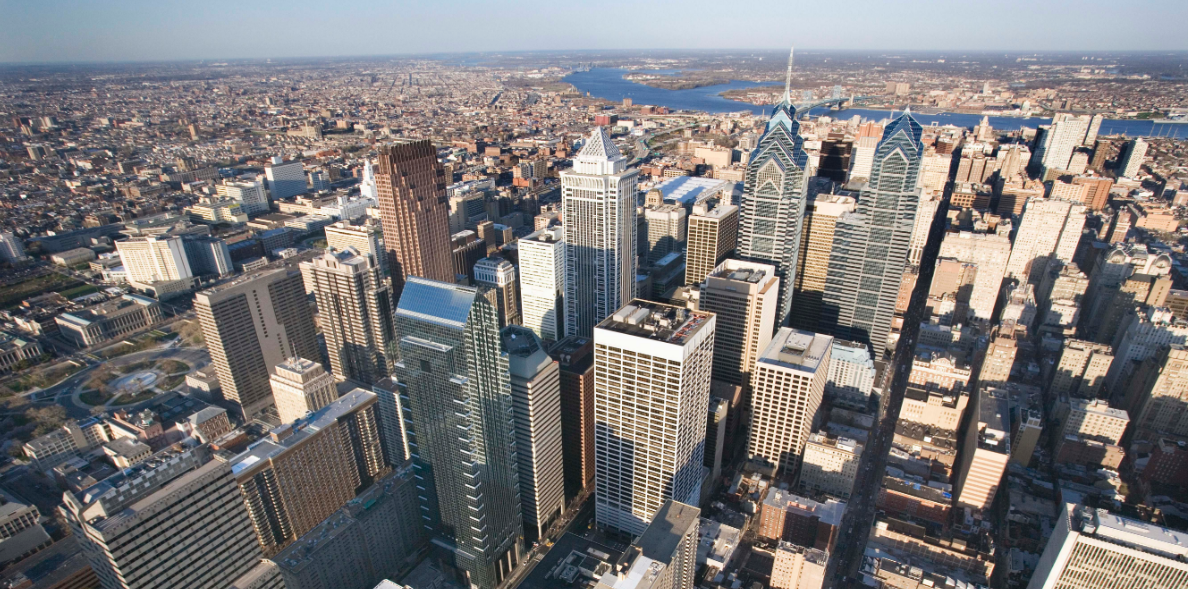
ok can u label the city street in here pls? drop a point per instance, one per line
(844, 564)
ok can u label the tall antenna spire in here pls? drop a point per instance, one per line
(788, 79)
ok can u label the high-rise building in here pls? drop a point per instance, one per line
(251, 195)
(851, 373)
(663, 557)
(1091, 132)
(1132, 159)
(460, 423)
(744, 296)
(598, 205)
(367, 239)
(306, 470)
(830, 465)
(774, 199)
(412, 203)
(862, 157)
(1000, 355)
(1157, 396)
(713, 235)
(1050, 229)
(468, 249)
(1098, 194)
(154, 258)
(925, 213)
(1082, 369)
(1095, 420)
(816, 241)
(990, 252)
(871, 244)
(355, 313)
(252, 324)
(542, 282)
(715, 435)
(667, 226)
(374, 536)
(174, 520)
(985, 451)
(651, 389)
(208, 255)
(536, 396)
(787, 387)
(301, 386)
(499, 275)
(285, 179)
(575, 355)
(367, 186)
(1144, 332)
(1096, 549)
(1057, 141)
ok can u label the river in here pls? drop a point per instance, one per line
(608, 83)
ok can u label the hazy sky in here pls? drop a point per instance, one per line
(122, 30)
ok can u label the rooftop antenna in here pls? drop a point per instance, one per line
(788, 78)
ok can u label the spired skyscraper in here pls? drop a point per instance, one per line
(598, 200)
(870, 245)
(456, 397)
(773, 199)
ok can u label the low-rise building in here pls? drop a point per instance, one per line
(108, 320)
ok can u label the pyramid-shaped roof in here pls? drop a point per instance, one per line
(600, 146)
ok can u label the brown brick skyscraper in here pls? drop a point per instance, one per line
(414, 212)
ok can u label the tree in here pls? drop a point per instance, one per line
(46, 418)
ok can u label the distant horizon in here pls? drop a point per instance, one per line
(50, 32)
(632, 51)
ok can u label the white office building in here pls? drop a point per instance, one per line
(285, 179)
(251, 196)
(786, 391)
(598, 202)
(651, 389)
(542, 283)
(154, 259)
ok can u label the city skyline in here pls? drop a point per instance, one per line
(49, 32)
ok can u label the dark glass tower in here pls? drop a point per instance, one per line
(456, 399)
(774, 198)
(870, 245)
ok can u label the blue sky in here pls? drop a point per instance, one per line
(123, 30)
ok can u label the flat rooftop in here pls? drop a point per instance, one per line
(668, 526)
(1141, 535)
(995, 412)
(800, 350)
(690, 189)
(665, 323)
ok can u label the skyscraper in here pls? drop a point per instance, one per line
(174, 520)
(542, 283)
(355, 312)
(458, 406)
(651, 390)
(252, 324)
(712, 235)
(787, 388)
(575, 355)
(1096, 549)
(1050, 229)
(413, 211)
(285, 180)
(744, 296)
(598, 203)
(773, 201)
(367, 187)
(871, 244)
(300, 386)
(499, 275)
(536, 396)
(306, 470)
(816, 241)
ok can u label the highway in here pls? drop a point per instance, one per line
(845, 562)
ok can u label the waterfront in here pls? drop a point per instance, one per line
(609, 84)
